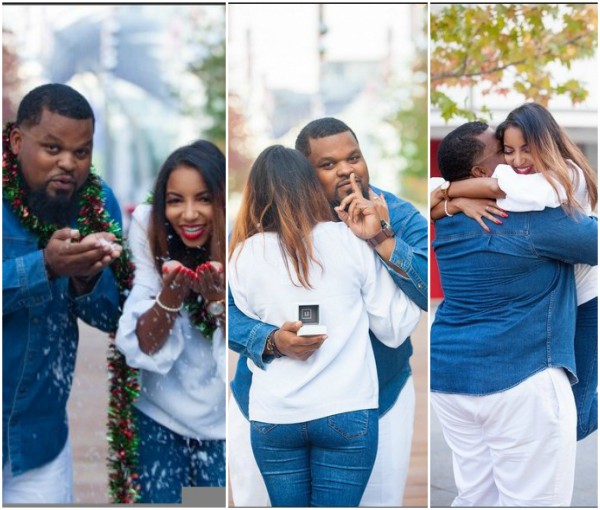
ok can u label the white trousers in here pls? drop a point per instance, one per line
(387, 481)
(513, 448)
(50, 483)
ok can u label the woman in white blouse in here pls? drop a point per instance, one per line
(314, 422)
(171, 327)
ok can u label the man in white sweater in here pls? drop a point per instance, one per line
(398, 233)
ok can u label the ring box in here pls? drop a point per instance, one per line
(309, 315)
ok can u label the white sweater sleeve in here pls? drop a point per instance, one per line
(525, 193)
(219, 352)
(435, 183)
(146, 285)
(236, 267)
(392, 316)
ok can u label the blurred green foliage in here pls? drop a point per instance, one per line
(478, 44)
(411, 124)
(208, 66)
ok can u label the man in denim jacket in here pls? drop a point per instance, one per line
(401, 242)
(502, 350)
(45, 289)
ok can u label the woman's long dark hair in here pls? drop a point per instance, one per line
(208, 160)
(283, 195)
(551, 149)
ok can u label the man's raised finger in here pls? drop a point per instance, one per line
(354, 184)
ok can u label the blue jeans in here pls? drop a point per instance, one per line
(168, 461)
(323, 462)
(586, 361)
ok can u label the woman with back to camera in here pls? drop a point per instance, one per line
(172, 325)
(545, 168)
(314, 422)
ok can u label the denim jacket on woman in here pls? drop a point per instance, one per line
(248, 336)
(509, 298)
(39, 343)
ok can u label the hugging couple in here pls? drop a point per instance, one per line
(514, 344)
(326, 418)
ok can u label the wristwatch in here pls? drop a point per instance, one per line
(445, 189)
(386, 232)
(216, 308)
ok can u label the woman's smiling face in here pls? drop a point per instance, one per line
(517, 151)
(189, 206)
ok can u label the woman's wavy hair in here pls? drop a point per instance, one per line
(208, 160)
(283, 195)
(551, 148)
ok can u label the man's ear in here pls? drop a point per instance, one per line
(478, 171)
(16, 137)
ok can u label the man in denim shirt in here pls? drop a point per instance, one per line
(47, 286)
(502, 353)
(399, 235)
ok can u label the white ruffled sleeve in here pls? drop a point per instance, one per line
(524, 193)
(146, 285)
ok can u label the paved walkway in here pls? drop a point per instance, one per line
(87, 418)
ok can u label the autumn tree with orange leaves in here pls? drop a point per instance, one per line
(487, 45)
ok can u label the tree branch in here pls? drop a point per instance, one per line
(459, 74)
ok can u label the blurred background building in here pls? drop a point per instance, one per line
(364, 64)
(154, 75)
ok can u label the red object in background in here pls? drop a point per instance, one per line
(435, 287)
(434, 170)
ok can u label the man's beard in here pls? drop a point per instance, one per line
(56, 210)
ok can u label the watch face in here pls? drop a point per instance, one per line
(216, 308)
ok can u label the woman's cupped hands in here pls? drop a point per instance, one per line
(208, 280)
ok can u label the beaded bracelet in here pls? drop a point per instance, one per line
(272, 346)
(168, 308)
(446, 208)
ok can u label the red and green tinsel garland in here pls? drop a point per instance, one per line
(199, 317)
(124, 387)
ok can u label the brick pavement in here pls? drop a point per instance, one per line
(87, 418)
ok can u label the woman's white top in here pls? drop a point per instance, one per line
(354, 292)
(533, 192)
(183, 384)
